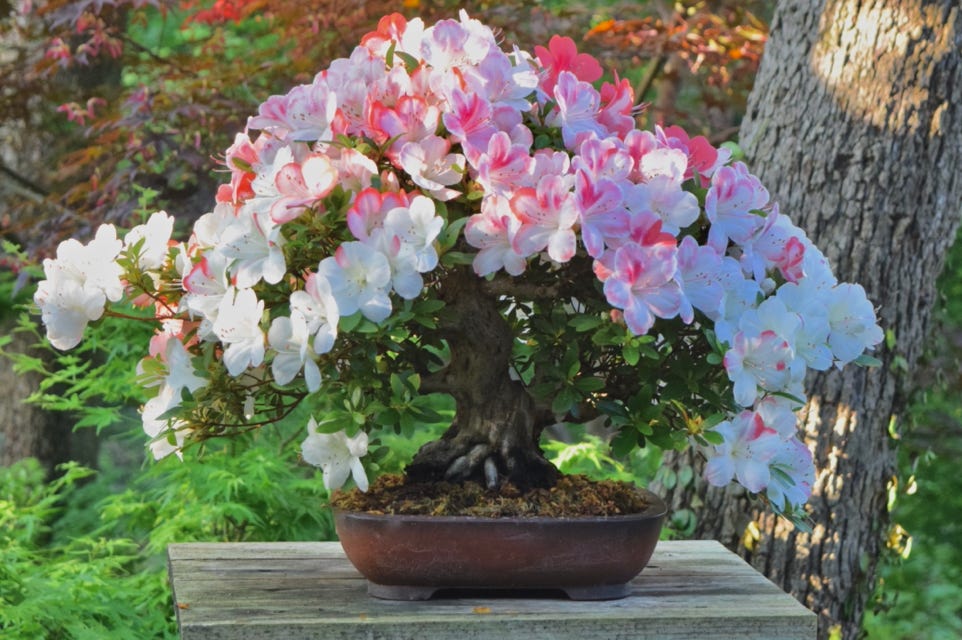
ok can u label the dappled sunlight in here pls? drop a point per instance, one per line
(828, 481)
(861, 54)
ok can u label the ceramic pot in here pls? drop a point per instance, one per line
(413, 557)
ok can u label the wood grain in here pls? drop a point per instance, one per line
(303, 590)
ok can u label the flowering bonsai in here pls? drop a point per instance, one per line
(434, 215)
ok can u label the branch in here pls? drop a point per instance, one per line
(522, 290)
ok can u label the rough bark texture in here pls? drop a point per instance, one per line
(855, 125)
(495, 432)
(26, 431)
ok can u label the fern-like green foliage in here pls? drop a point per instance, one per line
(83, 556)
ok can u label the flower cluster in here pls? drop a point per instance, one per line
(362, 163)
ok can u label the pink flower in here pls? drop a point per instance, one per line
(604, 158)
(547, 215)
(301, 185)
(732, 198)
(431, 167)
(468, 119)
(745, 454)
(577, 111)
(369, 208)
(701, 272)
(702, 156)
(305, 113)
(501, 167)
(602, 213)
(411, 119)
(758, 362)
(492, 231)
(562, 55)
(618, 107)
(643, 284)
(663, 196)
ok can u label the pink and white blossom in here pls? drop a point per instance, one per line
(792, 475)
(749, 446)
(547, 215)
(492, 232)
(758, 363)
(432, 167)
(576, 111)
(643, 284)
(730, 204)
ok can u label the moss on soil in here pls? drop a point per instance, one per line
(572, 496)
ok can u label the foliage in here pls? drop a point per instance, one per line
(128, 96)
(84, 556)
(699, 58)
(919, 586)
(368, 249)
(87, 586)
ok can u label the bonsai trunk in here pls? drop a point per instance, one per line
(495, 432)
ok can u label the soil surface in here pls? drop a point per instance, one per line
(572, 496)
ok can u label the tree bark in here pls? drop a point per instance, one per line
(495, 432)
(27, 431)
(854, 127)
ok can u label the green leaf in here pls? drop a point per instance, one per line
(865, 360)
(581, 324)
(456, 258)
(589, 384)
(564, 401)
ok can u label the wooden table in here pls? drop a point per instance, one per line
(691, 589)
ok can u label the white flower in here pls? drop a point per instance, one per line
(238, 327)
(255, 245)
(78, 284)
(205, 284)
(160, 429)
(417, 227)
(156, 236)
(337, 455)
(317, 305)
(289, 336)
(852, 321)
(66, 306)
(359, 276)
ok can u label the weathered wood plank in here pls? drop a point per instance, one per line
(309, 590)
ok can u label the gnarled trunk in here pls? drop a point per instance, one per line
(855, 124)
(495, 431)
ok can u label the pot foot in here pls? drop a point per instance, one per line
(599, 592)
(400, 592)
(414, 593)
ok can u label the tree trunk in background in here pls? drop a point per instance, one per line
(854, 127)
(26, 431)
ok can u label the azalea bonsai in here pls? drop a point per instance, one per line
(434, 217)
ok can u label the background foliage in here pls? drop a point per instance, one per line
(111, 108)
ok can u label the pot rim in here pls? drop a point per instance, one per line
(656, 508)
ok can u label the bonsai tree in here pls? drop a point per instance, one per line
(434, 215)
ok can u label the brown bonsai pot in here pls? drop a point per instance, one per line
(411, 557)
